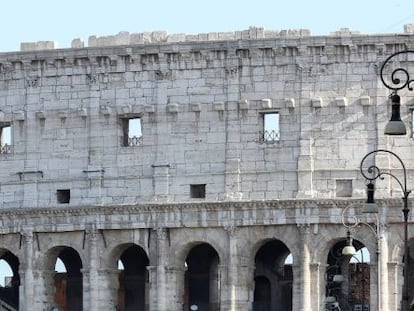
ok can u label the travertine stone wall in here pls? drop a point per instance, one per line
(201, 102)
(201, 105)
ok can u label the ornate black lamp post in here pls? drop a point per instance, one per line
(372, 173)
(400, 79)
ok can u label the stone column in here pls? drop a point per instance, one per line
(166, 281)
(382, 273)
(90, 273)
(44, 290)
(322, 271)
(305, 169)
(394, 285)
(108, 284)
(174, 277)
(301, 296)
(237, 278)
(161, 181)
(152, 288)
(232, 179)
(318, 285)
(163, 298)
(26, 290)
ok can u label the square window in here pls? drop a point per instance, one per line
(131, 132)
(344, 188)
(63, 196)
(198, 191)
(5, 138)
(270, 130)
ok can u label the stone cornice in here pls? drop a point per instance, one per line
(180, 215)
(199, 50)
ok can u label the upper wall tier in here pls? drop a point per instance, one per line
(341, 46)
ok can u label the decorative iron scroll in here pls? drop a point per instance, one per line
(400, 77)
(373, 172)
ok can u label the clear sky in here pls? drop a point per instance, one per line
(63, 21)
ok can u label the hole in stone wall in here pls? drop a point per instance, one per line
(198, 191)
(63, 195)
(344, 188)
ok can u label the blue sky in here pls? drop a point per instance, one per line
(54, 20)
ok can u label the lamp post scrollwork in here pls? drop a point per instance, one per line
(399, 79)
(353, 221)
(372, 173)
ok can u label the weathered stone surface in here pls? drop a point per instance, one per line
(203, 173)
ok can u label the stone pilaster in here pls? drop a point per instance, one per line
(238, 278)
(152, 288)
(382, 273)
(44, 289)
(174, 277)
(108, 284)
(302, 290)
(26, 290)
(305, 169)
(318, 285)
(90, 274)
(394, 269)
(162, 301)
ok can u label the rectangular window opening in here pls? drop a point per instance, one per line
(132, 132)
(5, 139)
(63, 196)
(344, 188)
(198, 191)
(271, 130)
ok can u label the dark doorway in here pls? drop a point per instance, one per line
(133, 280)
(273, 278)
(202, 281)
(69, 285)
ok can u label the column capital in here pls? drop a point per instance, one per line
(231, 229)
(162, 233)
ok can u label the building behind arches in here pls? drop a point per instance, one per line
(179, 172)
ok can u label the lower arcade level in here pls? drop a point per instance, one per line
(252, 256)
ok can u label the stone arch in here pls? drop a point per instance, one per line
(347, 277)
(182, 246)
(133, 277)
(66, 287)
(327, 239)
(270, 266)
(10, 292)
(116, 252)
(250, 247)
(397, 253)
(202, 281)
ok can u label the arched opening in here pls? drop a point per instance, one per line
(273, 278)
(9, 288)
(262, 293)
(348, 278)
(133, 280)
(202, 280)
(68, 280)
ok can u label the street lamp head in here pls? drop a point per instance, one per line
(349, 249)
(330, 299)
(370, 206)
(395, 126)
(338, 278)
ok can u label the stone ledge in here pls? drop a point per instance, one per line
(154, 37)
